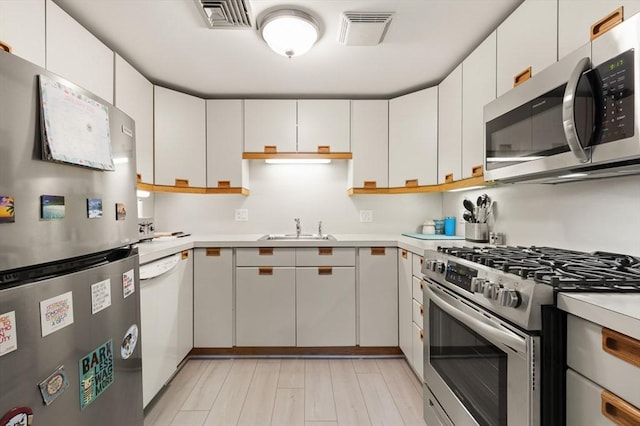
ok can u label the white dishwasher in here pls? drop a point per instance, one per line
(159, 288)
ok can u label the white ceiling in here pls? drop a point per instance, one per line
(168, 41)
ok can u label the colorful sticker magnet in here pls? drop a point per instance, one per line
(100, 296)
(8, 334)
(96, 373)
(17, 416)
(56, 313)
(7, 212)
(51, 207)
(54, 385)
(94, 208)
(128, 283)
(121, 211)
(129, 342)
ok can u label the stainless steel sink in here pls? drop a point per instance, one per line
(294, 237)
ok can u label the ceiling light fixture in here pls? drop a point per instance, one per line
(289, 32)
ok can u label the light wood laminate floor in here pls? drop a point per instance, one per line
(297, 392)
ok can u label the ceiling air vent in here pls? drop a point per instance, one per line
(226, 13)
(363, 28)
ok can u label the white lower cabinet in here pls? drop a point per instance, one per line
(417, 339)
(213, 298)
(326, 306)
(405, 303)
(185, 307)
(265, 306)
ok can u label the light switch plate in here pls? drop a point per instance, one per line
(366, 216)
(242, 215)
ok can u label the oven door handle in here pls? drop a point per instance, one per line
(491, 330)
(568, 111)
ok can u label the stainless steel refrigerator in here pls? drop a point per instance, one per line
(70, 347)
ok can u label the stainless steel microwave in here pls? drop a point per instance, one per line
(577, 119)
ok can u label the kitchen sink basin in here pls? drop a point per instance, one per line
(294, 237)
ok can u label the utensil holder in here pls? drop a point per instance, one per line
(476, 232)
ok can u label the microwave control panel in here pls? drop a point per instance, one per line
(616, 76)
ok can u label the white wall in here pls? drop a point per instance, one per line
(280, 193)
(593, 215)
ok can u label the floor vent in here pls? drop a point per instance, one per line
(226, 13)
(363, 28)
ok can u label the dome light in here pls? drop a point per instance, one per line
(289, 32)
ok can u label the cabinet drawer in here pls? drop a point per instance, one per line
(265, 256)
(417, 265)
(417, 289)
(418, 350)
(586, 355)
(418, 313)
(326, 256)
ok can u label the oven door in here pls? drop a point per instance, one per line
(480, 370)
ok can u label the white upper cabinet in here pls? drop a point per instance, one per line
(413, 139)
(323, 123)
(180, 139)
(270, 123)
(77, 55)
(22, 24)
(478, 89)
(450, 127)
(134, 96)
(575, 19)
(527, 38)
(225, 166)
(369, 144)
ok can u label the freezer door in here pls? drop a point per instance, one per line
(111, 396)
(27, 239)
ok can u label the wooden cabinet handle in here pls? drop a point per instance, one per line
(325, 270)
(404, 254)
(421, 259)
(410, 183)
(184, 255)
(421, 310)
(224, 184)
(422, 335)
(324, 149)
(370, 184)
(182, 182)
(4, 46)
(606, 23)
(138, 178)
(521, 77)
(213, 252)
(270, 149)
(377, 251)
(267, 270)
(621, 346)
(265, 251)
(477, 171)
(448, 178)
(618, 410)
(325, 251)
(421, 286)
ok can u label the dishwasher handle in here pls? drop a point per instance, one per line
(158, 267)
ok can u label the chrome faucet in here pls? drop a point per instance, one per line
(320, 228)
(298, 229)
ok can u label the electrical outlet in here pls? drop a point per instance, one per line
(242, 215)
(366, 216)
(461, 214)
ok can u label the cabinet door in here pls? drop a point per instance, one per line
(405, 300)
(450, 126)
(213, 298)
(417, 361)
(413, 138)
(77, 55)
(323, 123)
(326, 306)
(378, 296)
(576, 17)
(265, 306)
(134, 96)
(369, 143)
(224, 144)
(185, 306)
(22, 25)
(180, 140)
(478, 89)
(527, 38)
(270, 122)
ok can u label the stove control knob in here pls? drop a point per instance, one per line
(477, 284)
(440, 267)
(490, 290)
(509, 298)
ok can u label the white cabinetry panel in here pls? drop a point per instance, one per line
(323, 122)
(369, 143)
(405, 298)
(22, 24)
(270, 122)
(225, 144)
(450, 126)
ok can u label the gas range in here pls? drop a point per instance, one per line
(514, 282)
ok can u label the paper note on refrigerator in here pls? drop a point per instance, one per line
(56, 313)
(100, 296)
(8, 335)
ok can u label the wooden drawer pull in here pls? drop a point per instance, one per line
(4, 46)
(410, 183)
(270, 149)
(621, 346)
(213, 252)
(325, 251)
(606, 23)
(324, 149)
(421, 259)
(404, 254)
(378, 251)
(370, 184)
(138, 177)
(184, 255)
(477, 171)
(182, 182)
(224, 184)
(265, 271)
(265, 251)
(522, 77)
(422, 335)
(448, 178)
(618, 410)
(421, 286)
(325, 270)
(421, 310)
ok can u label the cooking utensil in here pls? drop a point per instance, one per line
(468, 204)
(468, 216)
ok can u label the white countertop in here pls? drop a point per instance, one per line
(617, 311)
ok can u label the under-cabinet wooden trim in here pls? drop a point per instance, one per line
(296, 156)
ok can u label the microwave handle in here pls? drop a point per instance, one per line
(568, 116)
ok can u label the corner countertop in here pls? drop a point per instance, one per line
(161, 247)
(617, 311)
